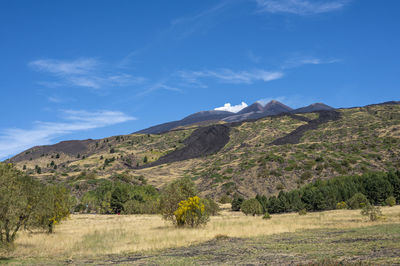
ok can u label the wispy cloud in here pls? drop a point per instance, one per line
(83, 72)
(158, 86)
(301, 7)
(54, 99)
(15, 140)
(201, 21)
(230, 76)
(253, 57)
(232, 108)
(300, 61)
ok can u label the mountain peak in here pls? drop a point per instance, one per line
(313, 108)
(255, 107)
(275, 107)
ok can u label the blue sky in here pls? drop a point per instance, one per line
(93, 68)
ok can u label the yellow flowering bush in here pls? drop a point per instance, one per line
(341, 205)
(191, 212)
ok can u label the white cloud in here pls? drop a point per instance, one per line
(300, 7)
(58, 67)
(230, 76)
(300, 61)
(83, 72)
(232, 108)
(15, 140)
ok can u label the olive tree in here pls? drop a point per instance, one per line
(25, 203)
(19, 200)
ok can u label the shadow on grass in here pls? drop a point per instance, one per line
(5, 259)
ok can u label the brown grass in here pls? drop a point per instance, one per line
(97, 235)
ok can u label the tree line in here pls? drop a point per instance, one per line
(374, 188)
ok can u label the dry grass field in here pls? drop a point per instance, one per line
(84, 237)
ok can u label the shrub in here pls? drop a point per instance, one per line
(175, 192)
(211, 207)
(225, 199)
(137, 207)
(303, 212)
(391, 201)
(251, 206)
(358, 201)
(267, 216)
(305, 176)
(373, 212)
(341, 205)
(237, 202)
(191, 212)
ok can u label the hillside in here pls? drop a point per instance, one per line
(262, 156)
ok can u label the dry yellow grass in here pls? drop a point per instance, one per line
(96, 235)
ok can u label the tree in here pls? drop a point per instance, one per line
(237, 202)
(251, 206)
(38, 169)
(54, 206)
(358, 201)
(373, 212)
(19, 199)
(173, 194)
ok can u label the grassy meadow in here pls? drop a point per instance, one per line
(95, 238)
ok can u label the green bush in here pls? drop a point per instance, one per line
(390, 201)
(211, 207)
(138, 207)
(373, 212)
(303, 212)
(236, 203)
(266, 216)
(341, 205)
(358, 201)
(225, 199)
(251, 206)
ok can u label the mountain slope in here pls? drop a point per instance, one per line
(313, 108)
(191, 119)
(252, 156)
(256, 111)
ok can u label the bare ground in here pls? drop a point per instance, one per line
(373, 245)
